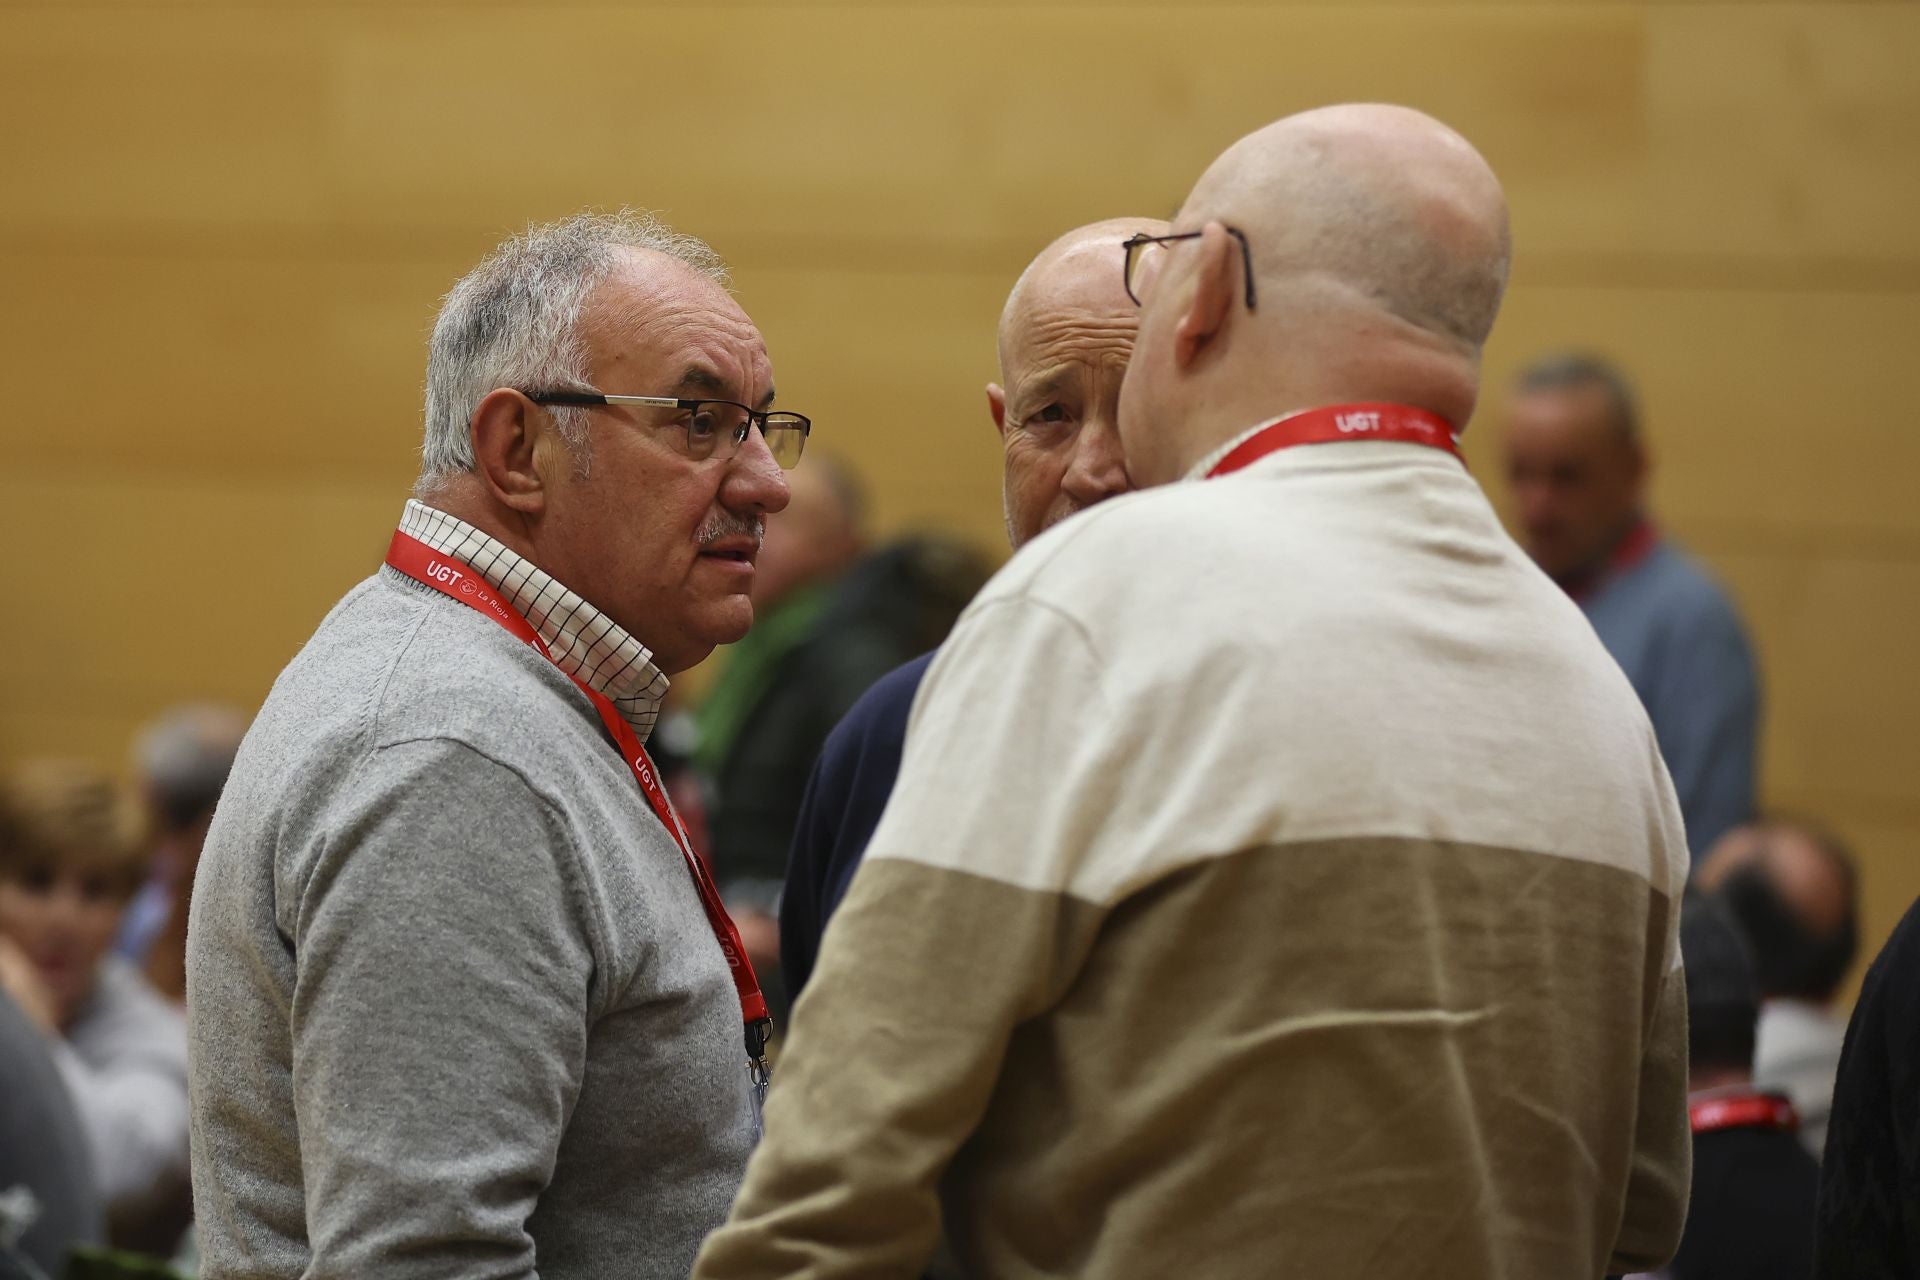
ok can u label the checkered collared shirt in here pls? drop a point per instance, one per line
(585, 643)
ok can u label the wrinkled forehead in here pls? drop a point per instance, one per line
(1077, 309)
(658, 327)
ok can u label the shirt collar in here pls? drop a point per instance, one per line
(1200, 469)
(585, 643)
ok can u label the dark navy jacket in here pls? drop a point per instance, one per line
(844, 799)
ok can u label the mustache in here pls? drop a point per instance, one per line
(726, 524)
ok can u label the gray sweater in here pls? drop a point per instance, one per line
(454, 1006)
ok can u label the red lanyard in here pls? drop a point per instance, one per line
(456, 581)
(1749, 1111)
(1398, 422)
(1635, 546)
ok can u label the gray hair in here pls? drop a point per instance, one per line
(1581, 371)
(184, 758)
(513, 321)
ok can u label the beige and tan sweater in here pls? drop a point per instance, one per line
(1281, 881)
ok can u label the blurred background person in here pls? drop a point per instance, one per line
(761, 721)
(1577, 465)
(1065, 333)
(1750, 1216)
(181, 761)
(831, 616)
(1793, 887)
(72, 852)
(1869, 1215)
(48, 1200)
(832, 613)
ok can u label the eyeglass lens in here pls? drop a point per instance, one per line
(717, 427)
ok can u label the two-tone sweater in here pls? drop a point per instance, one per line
(1281, 879)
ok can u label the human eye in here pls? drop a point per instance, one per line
(1049, 419)
(705, 426)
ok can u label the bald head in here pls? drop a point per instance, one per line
(1078, 274)
(1066, 333)
(1380, 202)
(1794, 889)
(1379, 244)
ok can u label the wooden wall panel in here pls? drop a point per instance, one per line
(143, 588)
(1835, 636)
(1770, 411)
(228, 222)
(221, 366)
(1761, 131)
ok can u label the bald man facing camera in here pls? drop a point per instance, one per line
(1065, 334)
(1281, 878)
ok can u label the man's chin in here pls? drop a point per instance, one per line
(730, 619)
(703, 628)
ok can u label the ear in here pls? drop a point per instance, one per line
(1216, 286)
(509, 433)
(997, 405)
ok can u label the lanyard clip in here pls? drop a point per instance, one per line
(757, 1073)
(759, 1031)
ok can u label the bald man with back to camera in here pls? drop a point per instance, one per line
(1281, 878)
(1065, 334)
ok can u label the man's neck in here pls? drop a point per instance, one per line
(1717, 1081)
(587, 644)
(462, 498)
(1628, 545)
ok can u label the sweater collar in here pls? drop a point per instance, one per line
(585, 643)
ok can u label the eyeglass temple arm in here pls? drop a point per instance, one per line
(589, 398)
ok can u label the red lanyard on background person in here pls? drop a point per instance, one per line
(457, 581)
(1748, 1111)
(1397, 422)
(1634, 547)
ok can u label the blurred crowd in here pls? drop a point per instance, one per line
(94, 881)
(781, 773)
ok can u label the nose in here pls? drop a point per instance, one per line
(1098, 469)
(754, 481)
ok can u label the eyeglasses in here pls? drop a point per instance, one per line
(1135, 247)
(714, 428)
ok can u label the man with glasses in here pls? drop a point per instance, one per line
(460, 996)
(1281, 878)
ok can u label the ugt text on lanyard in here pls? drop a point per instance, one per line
(1400, 423)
